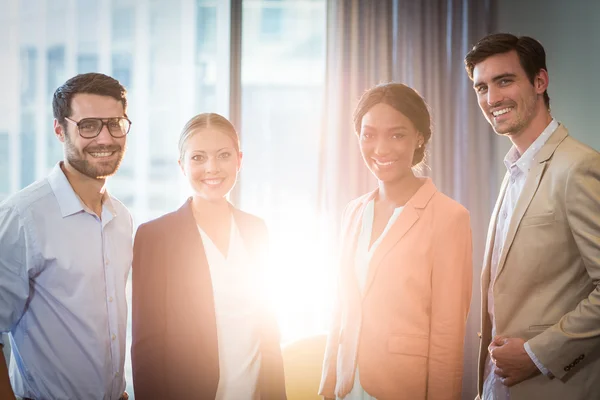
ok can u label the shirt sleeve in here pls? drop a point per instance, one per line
(537, 362)
(15, 261)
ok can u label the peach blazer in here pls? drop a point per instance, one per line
(405, 332)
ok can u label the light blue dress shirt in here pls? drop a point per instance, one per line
(63, 272)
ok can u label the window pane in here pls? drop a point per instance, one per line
(56, 75)
(28, 148)
(29, 89)
(4, 167)
(87, 63)
(281, 117)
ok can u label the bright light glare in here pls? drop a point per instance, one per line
(301, 273)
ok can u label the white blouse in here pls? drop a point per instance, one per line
(362, 258)
(237, 308)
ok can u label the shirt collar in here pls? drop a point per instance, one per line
(523, 162)
(68, 201)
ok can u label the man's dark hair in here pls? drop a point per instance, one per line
(92, 83)
(531, 54)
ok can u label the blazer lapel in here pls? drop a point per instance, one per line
(192, 292)
(351, 231)
(491, 237)
(349, 239)
(190, 241)
(531, 185)
(407, 218)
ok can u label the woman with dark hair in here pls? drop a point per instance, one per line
(201, 329)
(405, 276)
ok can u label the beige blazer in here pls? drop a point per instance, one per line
(547, 288)
(405, 332)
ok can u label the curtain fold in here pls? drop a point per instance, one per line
(421, 44)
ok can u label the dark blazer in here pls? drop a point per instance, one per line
(174, 351)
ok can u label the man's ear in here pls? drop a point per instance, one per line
(541, 81)
(59, 131)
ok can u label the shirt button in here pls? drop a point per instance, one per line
(110, 299)
(106, 262)
(113, 337)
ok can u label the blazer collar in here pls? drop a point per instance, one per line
(419, 200)
(550, 147)
(407, 218)
(244, 222)
(529, 190)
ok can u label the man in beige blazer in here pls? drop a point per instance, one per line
(540, 333)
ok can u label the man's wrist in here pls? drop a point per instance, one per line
(536, 361)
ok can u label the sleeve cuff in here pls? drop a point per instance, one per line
(537, 362)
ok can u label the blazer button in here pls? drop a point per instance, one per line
(479, 335)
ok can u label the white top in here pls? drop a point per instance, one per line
(362, 259)
(518, 167)
(235, 287)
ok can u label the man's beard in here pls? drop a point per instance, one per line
(525, 113)
(77, 160)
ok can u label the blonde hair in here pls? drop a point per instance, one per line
(207, 120)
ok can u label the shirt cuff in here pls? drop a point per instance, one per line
(537, 362)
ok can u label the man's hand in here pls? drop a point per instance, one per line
(5, 389)
(513, 364)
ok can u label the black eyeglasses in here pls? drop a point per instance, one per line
(89, 128)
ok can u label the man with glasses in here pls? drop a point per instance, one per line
(65, 254)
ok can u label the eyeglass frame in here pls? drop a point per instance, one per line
(104, 122)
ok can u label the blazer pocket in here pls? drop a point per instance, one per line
(409, 345)
(538, 219)
(540, 328)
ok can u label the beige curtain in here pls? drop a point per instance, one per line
(422, 44)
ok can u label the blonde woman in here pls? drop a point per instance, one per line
(200, 329)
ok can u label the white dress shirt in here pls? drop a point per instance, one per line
(362, 259)
(518, 167)
(235, 284)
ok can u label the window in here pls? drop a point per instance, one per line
(28, 75)
(271, 19)
(56, 75)
(28, 148)
(174, 59)
(4, 164)
(87, 63)
(29, 89)
(281, 115)
(122, 68)
(122, 22)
